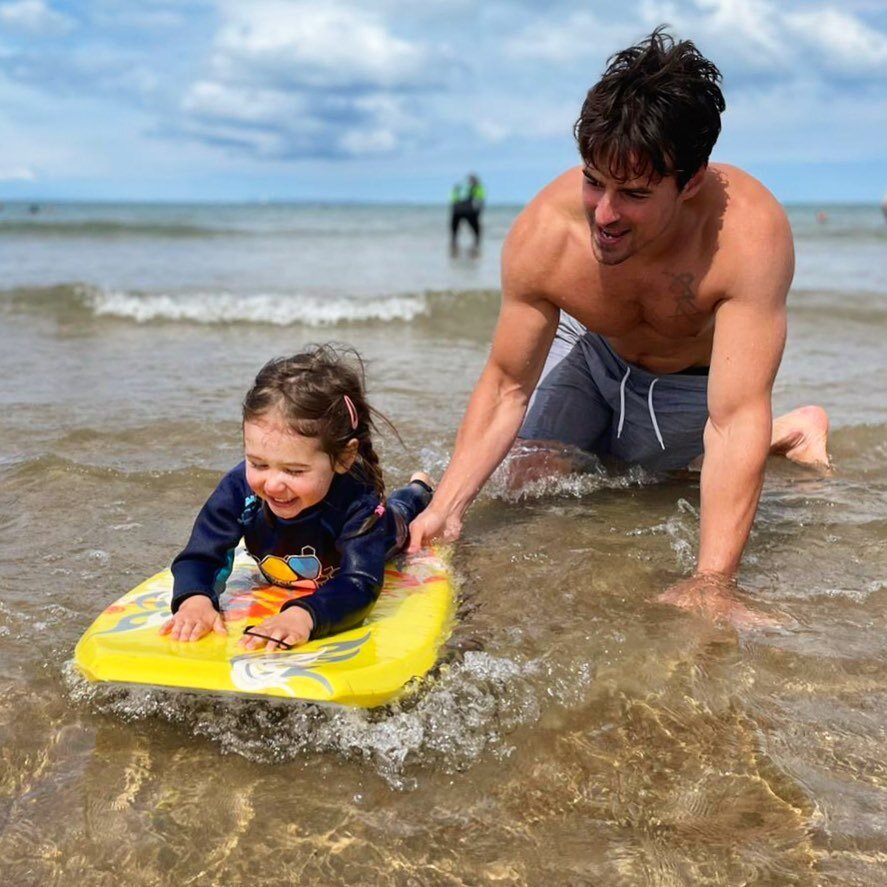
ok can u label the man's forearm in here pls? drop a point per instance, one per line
(485, 436)
(731, 482)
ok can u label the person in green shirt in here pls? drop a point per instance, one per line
(466, 204)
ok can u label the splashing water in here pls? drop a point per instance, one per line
(467, 709)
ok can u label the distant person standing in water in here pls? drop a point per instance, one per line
(466, 204)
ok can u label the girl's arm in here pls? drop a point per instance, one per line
(202, 567)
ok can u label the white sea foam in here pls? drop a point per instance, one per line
(467, 710)
(280, 309)
(534, 472)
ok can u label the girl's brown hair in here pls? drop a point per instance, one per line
(312, 390)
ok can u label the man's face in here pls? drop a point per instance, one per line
(626, 215)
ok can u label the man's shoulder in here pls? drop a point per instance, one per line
(755, 251)
(545, 236)
(746, 203)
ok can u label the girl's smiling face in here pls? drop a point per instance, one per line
(288, 470)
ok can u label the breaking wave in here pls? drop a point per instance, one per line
(279, 309)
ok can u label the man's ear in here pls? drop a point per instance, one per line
(346, 460)
(694, 183)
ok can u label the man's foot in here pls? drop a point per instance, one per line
(802, 436)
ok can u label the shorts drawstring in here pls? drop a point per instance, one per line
(653, 415)
(622, 402)
(649, 406)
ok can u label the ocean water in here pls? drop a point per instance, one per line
(575, 732)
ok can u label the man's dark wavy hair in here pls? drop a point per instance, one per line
(656, 111)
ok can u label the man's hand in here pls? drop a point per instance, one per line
(194, 619)
(430, 525)
(714, 597)
(287, 629)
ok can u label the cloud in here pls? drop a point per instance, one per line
(306, 45)
(412, 86)
(35, 18)
(88, 69)
(17, 174)
(513, 119)
(839, 41)
(284, 124)
(575, 38)
(296, 80)
(805, 132)
(755, 41)
(143, 16)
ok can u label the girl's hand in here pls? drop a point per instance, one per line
(194, 619)
(287, 629)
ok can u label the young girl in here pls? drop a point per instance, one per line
(309, 503)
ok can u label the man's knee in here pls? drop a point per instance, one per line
(537, 459)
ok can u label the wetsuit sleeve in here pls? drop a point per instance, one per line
(206, 560)
(347, 598)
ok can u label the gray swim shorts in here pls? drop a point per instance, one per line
(590, 398)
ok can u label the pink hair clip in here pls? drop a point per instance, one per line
(351, 411)
(379, 509)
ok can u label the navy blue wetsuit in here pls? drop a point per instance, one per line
(320, 549)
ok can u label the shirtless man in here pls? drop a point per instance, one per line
(658, 283)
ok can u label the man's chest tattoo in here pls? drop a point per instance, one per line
(681, 285)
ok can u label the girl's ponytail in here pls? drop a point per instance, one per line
(371, 466)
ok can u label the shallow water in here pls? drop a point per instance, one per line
(575, 732)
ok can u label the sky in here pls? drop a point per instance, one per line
(383, 100)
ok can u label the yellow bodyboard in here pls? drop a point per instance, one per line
(366, 666)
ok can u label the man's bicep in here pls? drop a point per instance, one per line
(750, 324)
(523, 336)
(748, 343)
